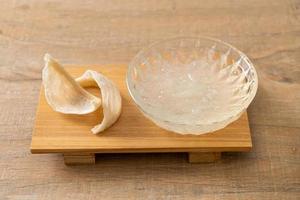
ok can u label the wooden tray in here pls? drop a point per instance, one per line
(70, 134)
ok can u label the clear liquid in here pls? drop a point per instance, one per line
(198, 92)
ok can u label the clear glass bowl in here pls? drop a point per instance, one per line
(192, 85)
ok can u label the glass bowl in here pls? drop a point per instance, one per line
(192, 85)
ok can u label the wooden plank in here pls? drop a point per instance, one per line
(204, 157)
(58, 133)
(79, 159)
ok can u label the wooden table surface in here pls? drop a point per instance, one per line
(103, 32)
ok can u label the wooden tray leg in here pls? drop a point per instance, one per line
(79, 158)
(204, 157)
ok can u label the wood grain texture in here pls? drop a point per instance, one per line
(79, 158)
(204, 157)
(102, 32)
(58, 133)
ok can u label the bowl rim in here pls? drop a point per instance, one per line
(244, 106)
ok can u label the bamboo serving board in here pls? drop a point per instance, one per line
(70, 134)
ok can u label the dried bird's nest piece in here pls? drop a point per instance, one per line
(67, 95)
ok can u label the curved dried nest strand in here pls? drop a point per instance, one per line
(111, 98)
(67, 95)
